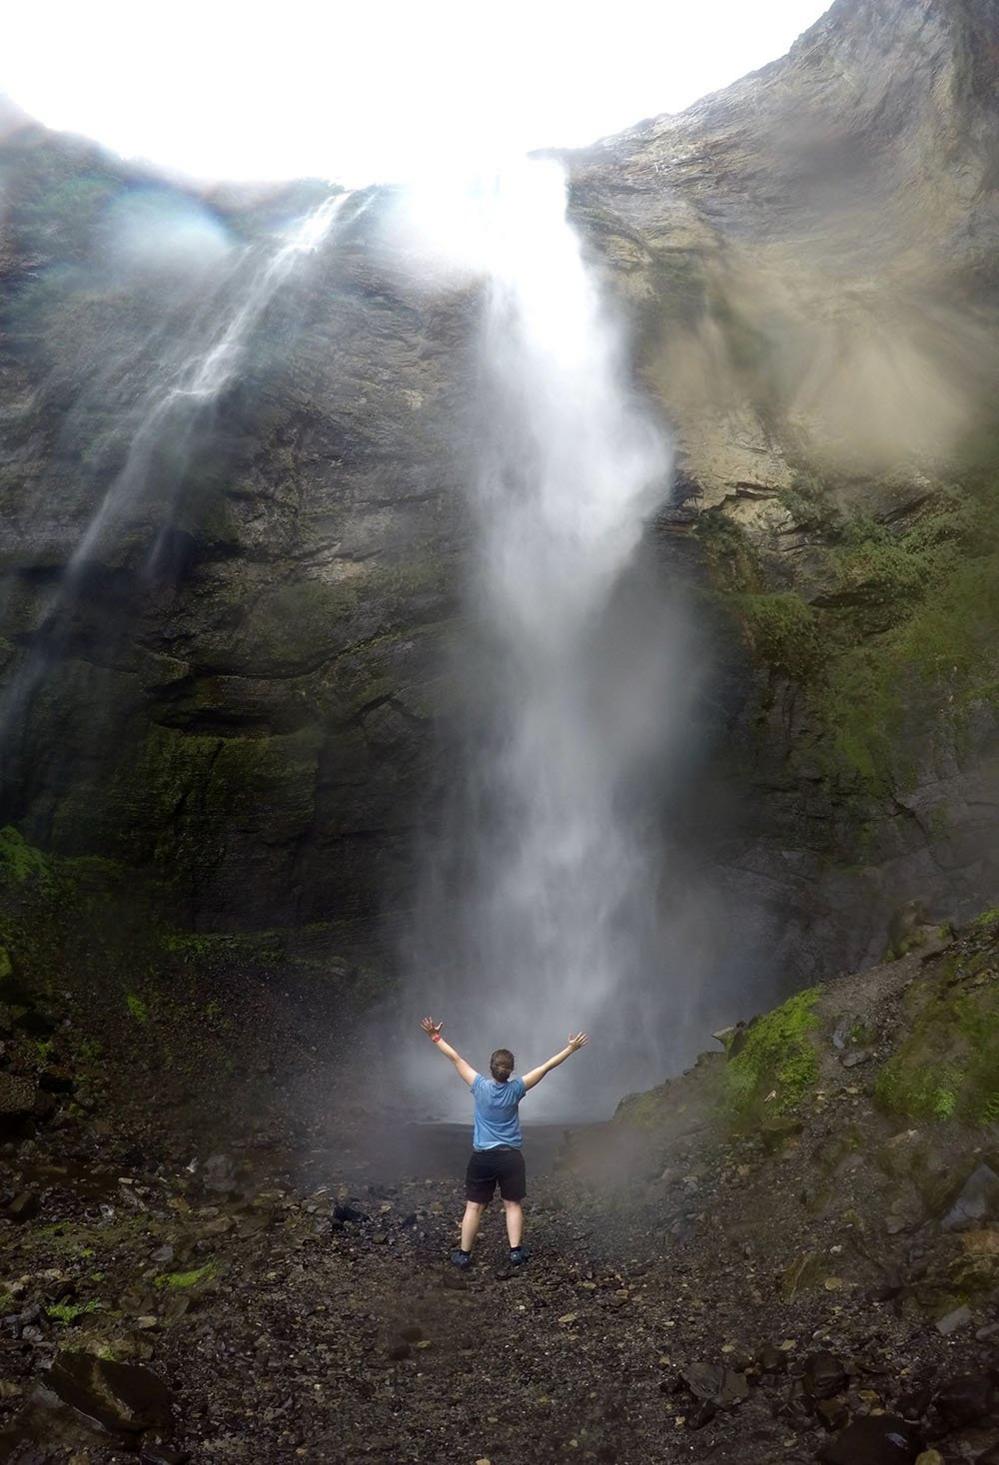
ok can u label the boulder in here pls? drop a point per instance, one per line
(875, 1439)
(121, 1396)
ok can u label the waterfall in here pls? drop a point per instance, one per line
(540, 897)
(189, 385)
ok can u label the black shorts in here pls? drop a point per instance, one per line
(486, 1167)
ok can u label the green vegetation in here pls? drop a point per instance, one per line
(777, 1064)
(136, 1007)
(183, 1281)
(66, 1313)
(20, 861)
(949, 1066)
(782, 632)
(898, 632)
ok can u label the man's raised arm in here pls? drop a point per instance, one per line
(576, 1041)
(433, 1032)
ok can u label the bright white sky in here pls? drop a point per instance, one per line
(373, 90)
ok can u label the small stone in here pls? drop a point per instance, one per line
(951, 1321)
(930, 1457)
(977, 1200)
(771, 1359)
(568, 1317)
(399, 1350)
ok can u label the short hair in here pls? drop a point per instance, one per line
(501, 1064)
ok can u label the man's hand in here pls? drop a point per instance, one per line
(577, 1041)
(431, 1028)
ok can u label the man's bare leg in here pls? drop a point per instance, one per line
(470, 1223)
(514, 1222)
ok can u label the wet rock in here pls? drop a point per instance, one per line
(875, 1439)
(24, 1207)
(977, 1200)
(122, 1396)
(160, 1455)
(398, 1350)
(930, 1457)
(824, 1375)
(965, 1399)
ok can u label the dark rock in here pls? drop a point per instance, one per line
(834, 1413)
(876, 1439)
(348, 1212)
(914, 1404)
(160, 1455)
(702, 1415)
(977, 1200)
(965, 1399)
(824, 1375)
(122, 1396)
(398, 1350)
(716, 1384)
(771, 1359)
(23, 1207)
(219, 1174)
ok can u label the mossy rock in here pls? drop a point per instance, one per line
(776, 1067)
(948, 1067)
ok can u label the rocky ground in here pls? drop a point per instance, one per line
(766, 1260)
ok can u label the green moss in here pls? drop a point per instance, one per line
(986, 920)
(782, 632)
(66, 1313)
(136, 1007)
(20, 861)
(948, 1068)
(777, 1064)
(183, 1281)
(731, 559)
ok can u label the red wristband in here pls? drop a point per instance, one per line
(435, 1037)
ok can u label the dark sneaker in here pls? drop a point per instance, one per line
(518, 1256)
(461, 1259)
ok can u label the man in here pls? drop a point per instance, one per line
(496, 1139)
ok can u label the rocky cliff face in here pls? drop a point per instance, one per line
(811, 261)
(808, 259)
(233, 688)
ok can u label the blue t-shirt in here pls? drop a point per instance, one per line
(496, 1121)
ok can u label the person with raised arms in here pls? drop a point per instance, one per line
(497, 1142)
